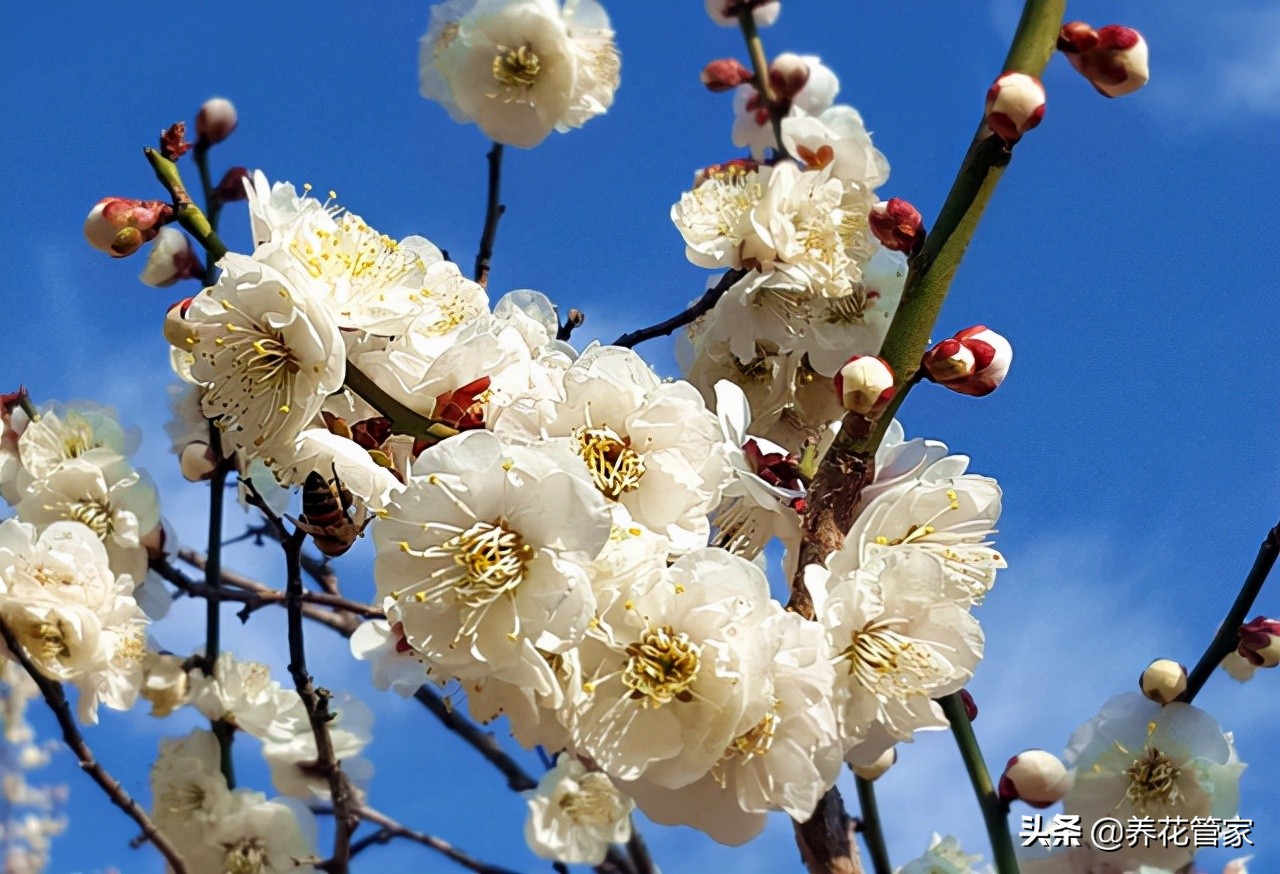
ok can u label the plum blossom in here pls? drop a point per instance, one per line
(575, 814)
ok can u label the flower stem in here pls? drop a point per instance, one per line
(1228, 636)
(188, 214)
(760, 66)
(872, 834)
(993, 813)
(403, 419)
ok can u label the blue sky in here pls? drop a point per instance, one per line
(1129, 255)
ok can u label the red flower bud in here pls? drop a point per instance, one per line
(725, 74)
(897, 225)
(1260, 642)
(865, 384)
(973, 362)
(215, 121)
(1037, 777)
(231, 188)
(1015, 104)
(120, 225)
(788, 74)
(1113, 59)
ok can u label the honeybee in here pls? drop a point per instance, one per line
(326, 515)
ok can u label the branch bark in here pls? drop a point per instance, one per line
(700, 307)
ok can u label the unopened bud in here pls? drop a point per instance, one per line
(1260, 642)
(725, 12)
(970, 706)
(725, 74)
(788, 74)
(897, 225)
(120, 225)
(197, 461)
(1163, 681)
(973, 362)
(1015, 104)
(1037, 777)
(1113, 59)
(215, 121)
(173, 141)
(232, 187)
(865, 384)
(171, 259)
(177, 330)
(876, 769)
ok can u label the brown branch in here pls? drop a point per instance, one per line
(390, 829)
(492, 214)
(483, 742)
(319, 569)
(699, 307)
(57, 701)
(1228, 636)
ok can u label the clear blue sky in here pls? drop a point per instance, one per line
(1130, 255)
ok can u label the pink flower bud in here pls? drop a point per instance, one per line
(1037, 777)
(1163, 681)
(120, 225)
(973, 362)
(1260, 642)
(171, 259)
(725, 12)
(215, 121)
(1015, 104)
(1113, 59)
(788, 74)
(725, 74)
(865, 384)
(897, 225)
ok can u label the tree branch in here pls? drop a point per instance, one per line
(700, 307)
(492, 214)
(993, 813)
(188, 214)
(390, 829)
(57, 701)
(1228, 636)
(872, 833)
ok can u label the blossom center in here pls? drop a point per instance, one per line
(249, 856)
(1153, 781)
(887, 662)
(493, 560)
(615, 467)
(94, 514)
(50, 642)
(758, 740)
(595, 802)
(662, 666)
(518, 67)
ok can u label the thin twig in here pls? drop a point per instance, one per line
(390, 829)
(492, 214)
(1228, 636)
(993, 813)
(484, 742)
(190, 216)
(872, 834)
(319, 569)
(699, 307)
(760, 66)
(572, 321)
(223, 731)
(57, 701)
(316, 703)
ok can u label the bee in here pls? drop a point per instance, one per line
(326, 515)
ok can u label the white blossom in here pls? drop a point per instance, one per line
(575, 814)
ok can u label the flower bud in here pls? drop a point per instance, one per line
(1113, 59)
(865, 384)
(876, 769)
(197, 461)
(120, 225)
(973, 362)
(1260, 642)
(970, 706)
(232, 187)
(215, 121)
(1037, 777)
(897, 225)
(788, 74)
(725, 74)
(171, 258)
(725, 12)
(1015, 104)
(1163, 681)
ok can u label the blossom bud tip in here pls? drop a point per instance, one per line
(1015, 104)
(1037, 777)
(1113, 59)
(865, 384)
(215, 121)
(1163, 681)
(973, 362)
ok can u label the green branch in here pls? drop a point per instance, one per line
(403, 419)
(760, 66)
(190, 216)
(872, 834)
(993, 813)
